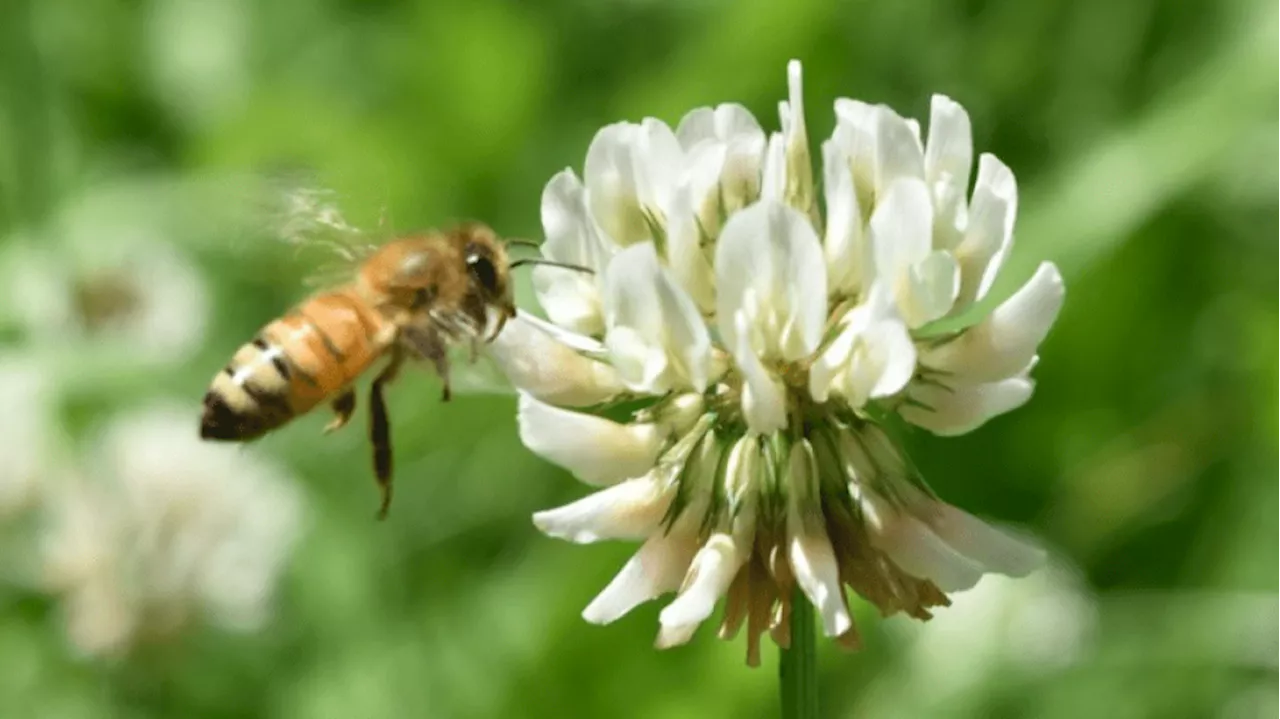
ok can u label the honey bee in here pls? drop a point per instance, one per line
(412, 298)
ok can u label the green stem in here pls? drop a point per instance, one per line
(798, 668)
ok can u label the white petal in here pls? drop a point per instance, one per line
(610, 176)
(831, 364)
(764, 399)
(631, 171)
(571, 234)
(680, 413)
(808, 548)
(688, 262)
(949, 412)
(947, 162)
(655, 333)
(701, 181)
(989, 235)
(843, 242)
(799, 180)
(855, 133)
(629, 510)
(931, 287)
(742, 476)
(653, 571)
(993, 548)
(1004, 343)
(740, 176)
(893, 355)
(872, 357)
(642, 364)
(597, 451)
(915, 548)
(660, 163)
(769, 267)
(712, 570)
(901, 230)
(773, 173)
(588, 346)
(724, 149)
(544, 367)
(697, 126)
(898, 151)
(725, 123)
(571, 299)
(949, 154)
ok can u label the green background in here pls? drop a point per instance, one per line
(1144, 138)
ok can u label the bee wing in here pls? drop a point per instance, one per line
(309, 219)
(295, 213)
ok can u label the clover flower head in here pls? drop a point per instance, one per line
(139, 298)
(727, 372)
(161, 529)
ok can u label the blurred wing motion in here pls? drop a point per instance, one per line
(296, 214)
(309, 219)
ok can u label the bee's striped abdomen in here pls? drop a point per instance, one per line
(295, 363)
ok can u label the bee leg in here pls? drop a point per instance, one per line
(380, 432)
(436, 351)
(442, 368)
(343, 407)
(428, 343)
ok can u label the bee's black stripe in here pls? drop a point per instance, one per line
(274, 405)
(261, 343)
(282, 367)
(229, 370)
(287, 370)
(329, 345)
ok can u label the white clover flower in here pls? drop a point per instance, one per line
(27, 432)
(738, 348)
(162, 528)
(115, 283)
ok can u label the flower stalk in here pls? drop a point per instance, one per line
(798, 664)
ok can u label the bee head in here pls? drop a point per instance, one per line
(488, 267)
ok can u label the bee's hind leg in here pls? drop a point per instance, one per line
(380, 432)
(343, 407)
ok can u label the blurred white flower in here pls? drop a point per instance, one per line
(765, 346)
(113, 283)
(1008, 630)
(26, 432)
(160, 529)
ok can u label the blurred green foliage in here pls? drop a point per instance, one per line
(1144, 137)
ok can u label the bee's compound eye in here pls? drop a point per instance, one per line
(482, 269)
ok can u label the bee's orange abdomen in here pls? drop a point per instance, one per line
(329, 341)
(296, 362)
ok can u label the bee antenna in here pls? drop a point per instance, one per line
(551, 263)
(525, 243)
